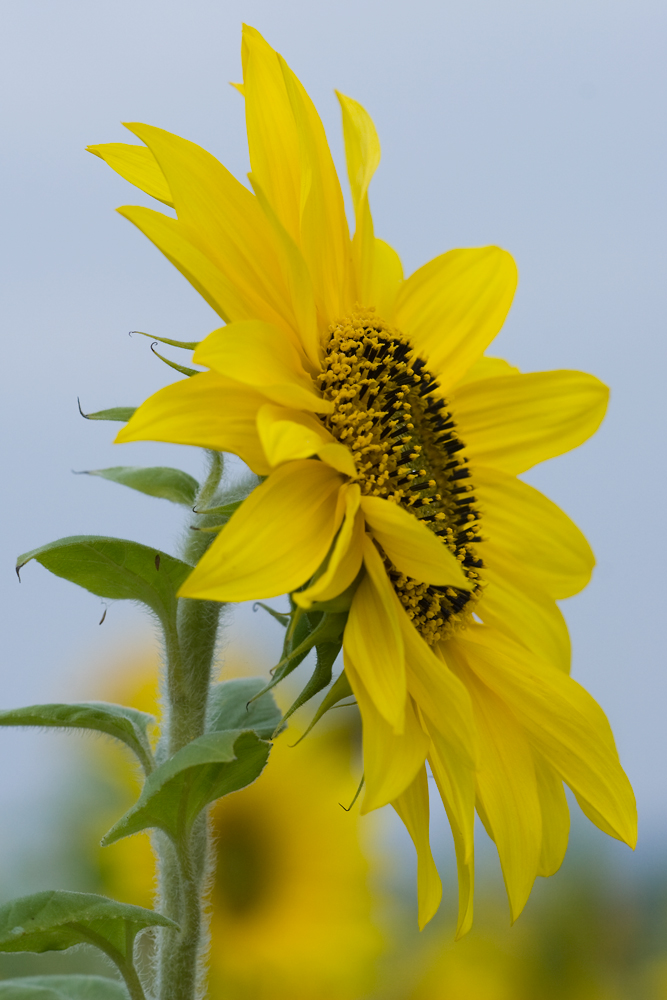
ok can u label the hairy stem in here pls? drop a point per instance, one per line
(190, 647)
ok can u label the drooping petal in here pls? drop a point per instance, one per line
(486, 367)
(521, 522)
(515, 604)
(325, 240)
(440, 695)
(555, 816)
(276, 540)
(225, 221)
(453, 307)
(456, 784)
(373, 639)
(263, 356)
(412, 807)
(506, 784)
(345, 560)
(289, 434)
(563, 722)
(207, 411)
(391, 760)
(411, 546)
(138, 166)
(513, 423)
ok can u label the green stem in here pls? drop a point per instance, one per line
(190, 647)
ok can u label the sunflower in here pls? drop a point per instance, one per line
(390, 444)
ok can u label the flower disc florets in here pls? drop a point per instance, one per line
(389, 413)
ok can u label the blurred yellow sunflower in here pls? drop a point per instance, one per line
(290, 905)
(391, 444)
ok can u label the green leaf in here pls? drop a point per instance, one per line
(339, 690)
(125, 724)
(320, 677)
(187, 345)
(201, 772)
(158, 481)
(116, 569)
(54, 921)
(229, 707)
(62, 988)
(120, 413)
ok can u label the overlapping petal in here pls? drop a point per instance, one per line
(453, 307)
(138, 166)
(206, 410)
(411, 546)
(555, 816)
(373, 640)
(345, 559)
(513, 423)
(276, 540)
(262, 356)
(563, 722)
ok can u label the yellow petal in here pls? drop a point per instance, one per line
(456, 784)
(506, 784)
(276, 540)
(563, 722)
(208, 411)
(263, 356)
(386, 279)
(453, 307)
(522, 523)
(441, 696)
(138, 166)
(555, 817)
(373, 639)
(225, 221)
(514, 422)
(391, 760)
(297, 280)
(486, 367)
(345, 560)
(515, 604)
(412, 807)
(289, 434)
(325, 240)
(411, 546)
(339, 457)
(176, 243)
(273, 139)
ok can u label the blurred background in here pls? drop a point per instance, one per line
(539, 127)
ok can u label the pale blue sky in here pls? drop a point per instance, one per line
(537, 126)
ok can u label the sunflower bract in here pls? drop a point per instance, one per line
(391, 444)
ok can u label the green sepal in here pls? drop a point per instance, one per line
(279, 617)
(231, 707)
(116, 569)
(157, 481)
(62, 988)
(187, 345)
(125, 724)
(172, 364)
(54, 921)
(320, 677)
(341, 603)
(339, 690)
(120, 413)
(201, 772)
(310, 630)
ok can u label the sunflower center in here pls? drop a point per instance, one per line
(388, 412)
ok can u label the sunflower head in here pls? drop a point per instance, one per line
(390, 444)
